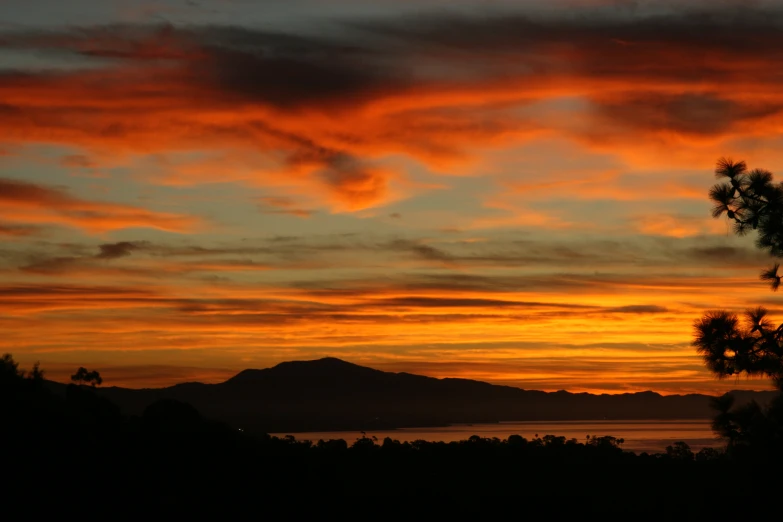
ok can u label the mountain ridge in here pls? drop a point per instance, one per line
(332, 394)
(256, 371)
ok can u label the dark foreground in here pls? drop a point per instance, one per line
(78, 456)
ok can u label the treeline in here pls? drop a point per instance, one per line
(79, 448)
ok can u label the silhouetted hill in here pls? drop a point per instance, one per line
(331, 394)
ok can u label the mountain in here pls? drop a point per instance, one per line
(331, 394)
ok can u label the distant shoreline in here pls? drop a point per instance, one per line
(663, 420)
(648, 435)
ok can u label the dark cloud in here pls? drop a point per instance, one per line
(298, 212)
(583, 264)
(109, 251)
(309, 75)
(77, 161)
(288, 70)
(457, 302)
(21, 191)
(725, 254)
(283, 239)
(284, 70)
(637, 309)
(25, 291)
(456, 284)
(687, 113)
(49, 265)
(18, 230)
(720, 28)
(465, 282)
(121, 249)
(385, 55)
(419, 250)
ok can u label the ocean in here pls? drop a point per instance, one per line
(651, 436)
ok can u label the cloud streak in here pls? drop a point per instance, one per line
(29, 203)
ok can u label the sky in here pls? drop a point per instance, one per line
(514, 192)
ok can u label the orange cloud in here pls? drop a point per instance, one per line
(27, 203)
(317, 112)
(680, 226)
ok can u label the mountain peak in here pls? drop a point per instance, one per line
(324, 367)
(324, 361)
(324, 364)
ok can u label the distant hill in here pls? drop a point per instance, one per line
(331, 394)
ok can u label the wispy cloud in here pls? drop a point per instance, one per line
(29, 203)
(283, 205)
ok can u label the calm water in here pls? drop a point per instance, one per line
(649, 435)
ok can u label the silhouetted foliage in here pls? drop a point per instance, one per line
(751, 345)
(82, 376)
(36, 374)
(605, 442)
(9, 369)
(680, 451)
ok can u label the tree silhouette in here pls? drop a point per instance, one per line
(751, 345)
(82, 376)
(36, 374)
(10, 372)
(9, 369)
(680, 451)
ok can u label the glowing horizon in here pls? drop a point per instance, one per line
(506, 192)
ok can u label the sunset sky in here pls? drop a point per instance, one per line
(508, 191)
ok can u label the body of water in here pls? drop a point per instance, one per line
(651, 436)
